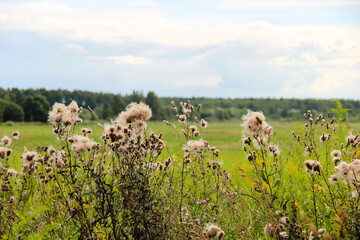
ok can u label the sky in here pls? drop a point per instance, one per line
(197, 48)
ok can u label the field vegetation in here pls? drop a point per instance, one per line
(187, 178)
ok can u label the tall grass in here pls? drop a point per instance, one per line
(170, 181)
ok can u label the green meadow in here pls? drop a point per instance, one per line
(224, 135)
(266, 197)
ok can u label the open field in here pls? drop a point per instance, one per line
(226, 136)
(242, 203)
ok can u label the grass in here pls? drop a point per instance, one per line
(226, 136)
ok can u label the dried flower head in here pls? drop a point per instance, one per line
(16, 135)
(254, 123)
(5, 152)
(182, 118)
(83, 144)
(134, 111)
(203, 123)
(313, 166)
(50, 150)
(336, 160)
(12, 172)
(57, 112)
(58, 159)
(269, 230)
(333, 179)
(274, 150)
(6, 141)
(324, 137)
(335, 153)
(194, 146)
(283, 234)
(343, 169)
(28, 156)
(213, 232)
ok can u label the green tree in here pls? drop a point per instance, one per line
(107, 112)
(136, 96)
(36, 108)
(117, 104)
(10, 111)
(153, 102)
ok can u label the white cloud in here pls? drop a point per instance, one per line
(331, 53)
(74, 48)
(124, 60)
(246, 4)
(200, 81)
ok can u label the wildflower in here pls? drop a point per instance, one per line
(313, 166)
(283, 234)
(83, 144)
(284, 220)
(213, 232)
(308, 149)
(5, 152)
(254, 122)
(29, 156)
(12, 172)
(194, 146)
(350, 139)
(138, 128)
(168, 161)
(333, 179)
(336, 160)
(335, 153)
(197, 133)
(182, 118)
(197, 221)
(6, 141)
(324, 137)
(166, 122)
(343, 168)
(269, 229)
(316, 187)
(85, 131)
(274, 150)
(57, 113)
(50, 150)
(193, 128)
(246, 141)
(58, 159)
(12, 199)
(16, 135)
(73, 108)
(134, 111)
(203, 123)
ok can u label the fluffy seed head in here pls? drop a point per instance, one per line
(313, 166)
(335, 153)
(213, 232)
(134, 111)
(12, 172)
(6, 141)
(194, 146)
(203, 123)
(16, 135)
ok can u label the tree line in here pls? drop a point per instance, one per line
(34, 105)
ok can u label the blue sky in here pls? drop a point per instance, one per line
(232, 48)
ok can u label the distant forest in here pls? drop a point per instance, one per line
(34, 105)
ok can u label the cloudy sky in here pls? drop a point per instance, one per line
(212, 48)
